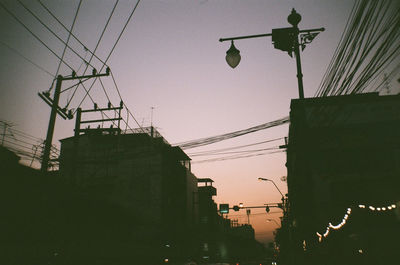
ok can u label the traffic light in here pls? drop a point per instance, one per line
(267, 209)
(236, 208)
(224, 208)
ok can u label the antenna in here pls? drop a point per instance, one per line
(151, 121)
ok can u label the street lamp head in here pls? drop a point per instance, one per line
(233, 56)
(294, 18)
(263, 179)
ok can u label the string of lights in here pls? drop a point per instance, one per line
(371, 208)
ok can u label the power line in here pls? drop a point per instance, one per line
(232, 148)
(69, 36)
(95, 49)
(369, 45)
(104, 63)
(115, 44)
(61, 40)
(235, 157)
(222, 137)
(59, 22)
(237, 152)
(126, 107)
(27, 59)
(33, 34)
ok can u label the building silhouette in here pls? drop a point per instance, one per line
(144, 174)
(343, 162)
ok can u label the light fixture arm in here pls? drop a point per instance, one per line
(286, 39)
(273, 182)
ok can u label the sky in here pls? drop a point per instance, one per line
(171, 72)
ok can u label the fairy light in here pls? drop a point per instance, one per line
(326, 232)
(319, 237)
(347, 215)
(381, 208)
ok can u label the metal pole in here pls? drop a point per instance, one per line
(277, 188)
(298, 63)
(52, 122)
(4, 133)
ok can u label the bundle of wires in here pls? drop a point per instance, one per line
(369, 46)
(221, 137)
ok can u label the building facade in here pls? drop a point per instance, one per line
(343, 162)
(142, 173)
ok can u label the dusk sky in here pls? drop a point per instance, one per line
(169, 58)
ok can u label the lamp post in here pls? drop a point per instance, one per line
(285, 222)
(285, 39)
(264, 179)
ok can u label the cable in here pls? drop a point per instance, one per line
(222, 137)
(238, 152)
(123, 29)
(51, 13)
(126, 107)
(69, 36)
(95, 49)
(27, 59)
(368, 47)
(232, 148)
(234, 157)
(33, 34)
(104, 63)
(41, 22)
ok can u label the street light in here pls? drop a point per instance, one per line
(264, 179)
(233, 56)
(285, 39)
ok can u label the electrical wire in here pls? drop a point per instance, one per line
(112, 49)
(59, 22)
(126, 107)
(222, 137)
(27, 59)
(33, 34)
(69, 36)
(235, 157)
(95, 49)
(368, 47)
(51, 31)
(232, 148)
(237, 152)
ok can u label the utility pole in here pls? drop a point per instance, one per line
(5, 124)
(56, 109)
